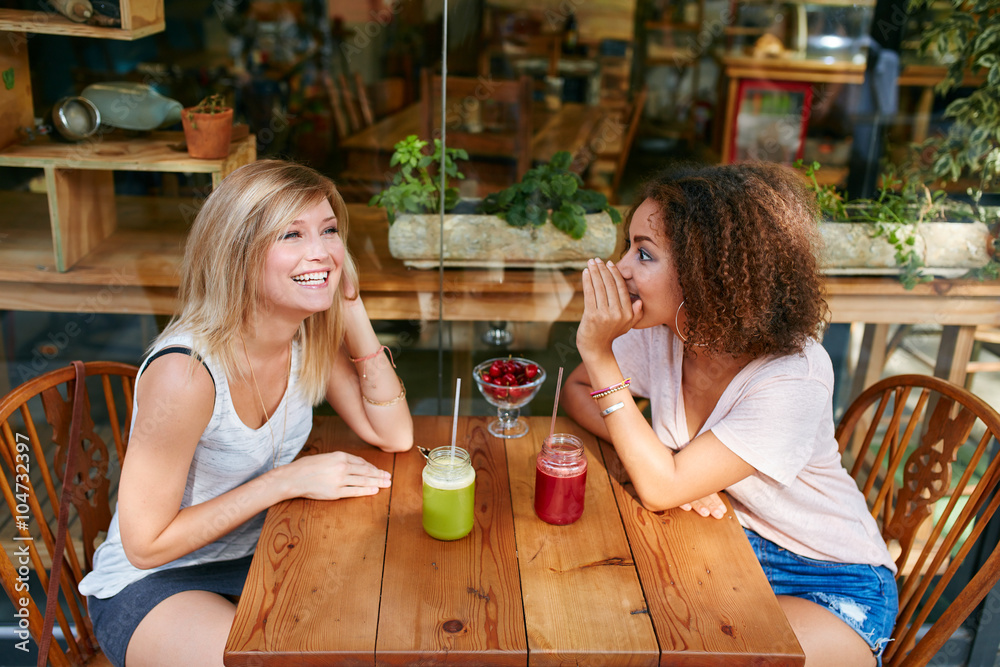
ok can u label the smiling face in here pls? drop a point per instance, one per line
(302, 270)
(649, 270)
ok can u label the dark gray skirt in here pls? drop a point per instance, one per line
(116, 618)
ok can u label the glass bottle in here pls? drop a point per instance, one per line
(449, 493)
(560, 479)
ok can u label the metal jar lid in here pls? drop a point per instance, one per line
(75, 118)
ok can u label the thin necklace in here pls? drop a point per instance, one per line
(275, 450)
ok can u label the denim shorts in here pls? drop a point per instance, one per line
(116, 618)
(863, 596)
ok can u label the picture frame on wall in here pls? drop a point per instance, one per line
(771, 120)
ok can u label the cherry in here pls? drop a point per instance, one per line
(497, 368)
(530, 371)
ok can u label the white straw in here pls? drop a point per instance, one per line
(454, 423)
(555, 403)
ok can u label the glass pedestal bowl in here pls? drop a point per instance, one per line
(508, 398)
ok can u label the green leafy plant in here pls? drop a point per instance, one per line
(414, 188)
(549, 191)
(894, 214)
(968, 39)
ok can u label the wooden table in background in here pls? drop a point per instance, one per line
(357, 581)
(571, 128)
(136, 270)
(393, 292)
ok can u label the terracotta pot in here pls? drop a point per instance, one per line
(208, 134)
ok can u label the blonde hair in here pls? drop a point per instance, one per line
(223, 270)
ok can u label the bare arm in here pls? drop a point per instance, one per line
(173, 411)
(661, 478)
(389, 426)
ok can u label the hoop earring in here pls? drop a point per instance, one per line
(676, 326)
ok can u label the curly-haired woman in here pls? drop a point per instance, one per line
(713, 312)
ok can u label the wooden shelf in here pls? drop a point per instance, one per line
(155, 151)
(140, 18)
(80, 183)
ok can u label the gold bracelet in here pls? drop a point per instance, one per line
(402, 395)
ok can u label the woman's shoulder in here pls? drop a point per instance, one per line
(812, 362)
(172, 362)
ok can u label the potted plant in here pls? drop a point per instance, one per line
(550, 192)
(208, 128)
(414, 188)
(510, 227)
(907, 230)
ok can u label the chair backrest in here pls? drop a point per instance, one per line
(913, 428)
(504, 103)
(35, 420)
(348, 97)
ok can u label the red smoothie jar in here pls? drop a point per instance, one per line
(560, 479)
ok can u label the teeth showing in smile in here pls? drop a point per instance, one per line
(317, 278)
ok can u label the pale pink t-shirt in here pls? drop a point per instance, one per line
(777, 415)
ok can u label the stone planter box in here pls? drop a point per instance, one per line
(949, 249)
(486, 241)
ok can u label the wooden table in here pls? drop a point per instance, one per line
(357, 581)
(571, 128)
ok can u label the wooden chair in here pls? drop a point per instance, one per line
(509, 100)
(521, 37)
(352, 112)
(35, 419)
(984, 336)
(918, 427)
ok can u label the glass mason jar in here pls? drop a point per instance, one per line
(560, 479)
(449, 493)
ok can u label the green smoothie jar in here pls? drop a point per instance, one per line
(449, 493)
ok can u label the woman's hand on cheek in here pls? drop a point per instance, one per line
(608, 311)
(348, 288)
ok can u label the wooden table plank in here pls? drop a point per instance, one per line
(452, 602)
(583, 604)
(306, 608)
(708, 598)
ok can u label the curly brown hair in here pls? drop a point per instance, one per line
(745, 241)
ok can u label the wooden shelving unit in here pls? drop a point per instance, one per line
(97, 253)
(140, 18)
(670, 41)
(80, 183)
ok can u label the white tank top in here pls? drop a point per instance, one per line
(229, 454)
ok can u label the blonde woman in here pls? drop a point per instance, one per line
(270, 325)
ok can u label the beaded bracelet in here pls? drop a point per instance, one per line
(364, 360)
(402, 395)
(600, 393)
